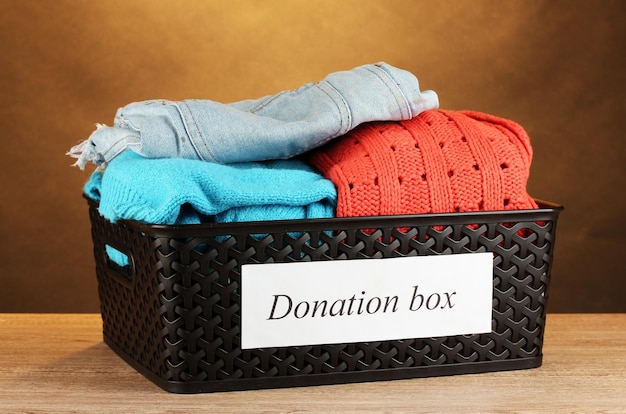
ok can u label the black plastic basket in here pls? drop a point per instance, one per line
(174, 312)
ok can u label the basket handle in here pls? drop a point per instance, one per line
(119, 263)
(111, 253)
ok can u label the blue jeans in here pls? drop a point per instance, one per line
(273, 127)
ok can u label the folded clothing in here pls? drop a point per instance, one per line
(179, 191)
(439, 161)
(273, 127)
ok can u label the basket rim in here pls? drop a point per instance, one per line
(546, 210)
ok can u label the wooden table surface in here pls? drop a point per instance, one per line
(58, 363)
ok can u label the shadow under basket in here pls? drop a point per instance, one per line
(174, 311)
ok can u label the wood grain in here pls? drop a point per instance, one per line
(58, 363)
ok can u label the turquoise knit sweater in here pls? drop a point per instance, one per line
(179, 191)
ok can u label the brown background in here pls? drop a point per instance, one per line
(556, 67)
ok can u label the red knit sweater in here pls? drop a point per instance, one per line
(439, 161)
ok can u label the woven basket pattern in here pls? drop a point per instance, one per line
(174, 313)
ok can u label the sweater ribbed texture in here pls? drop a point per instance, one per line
(439, 161)
(180, 191)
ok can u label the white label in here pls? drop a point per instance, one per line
(344, 301)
